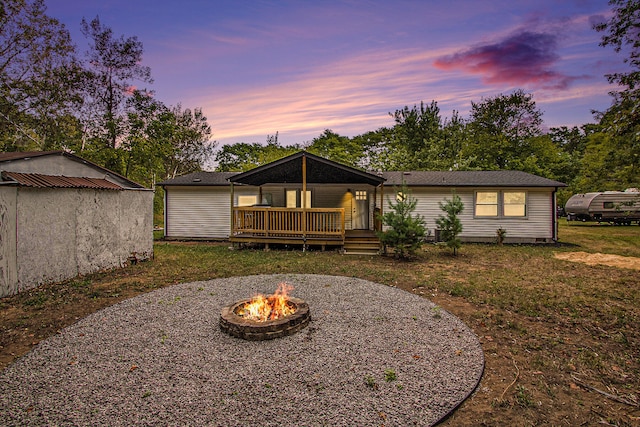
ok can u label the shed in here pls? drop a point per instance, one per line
(62, 216)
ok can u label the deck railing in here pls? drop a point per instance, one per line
(288, 222)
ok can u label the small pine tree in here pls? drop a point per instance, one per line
(450, 225)
(406, 232)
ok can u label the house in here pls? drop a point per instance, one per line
(62, 216)
(305, 199)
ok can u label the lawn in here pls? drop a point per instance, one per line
(561, 339)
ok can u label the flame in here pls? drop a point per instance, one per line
(261, 308)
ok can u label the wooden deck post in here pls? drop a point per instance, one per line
(381, 200)
(304, 198)
(232, 212)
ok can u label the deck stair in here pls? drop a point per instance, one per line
(361, 242)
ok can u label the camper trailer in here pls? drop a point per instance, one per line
(615, 207)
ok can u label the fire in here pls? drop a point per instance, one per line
(261, 308)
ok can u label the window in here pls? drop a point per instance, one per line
(487, 203)
(501, 204)
(308, 204)
(247, 200)
(361, 195)
(515, 203)
(608, 205)
(292, 198)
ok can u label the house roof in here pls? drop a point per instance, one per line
(318, 171)
(6, 157)
(37, 180)
(501, 178)
(323, 171)
(201, 178)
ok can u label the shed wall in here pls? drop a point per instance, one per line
(62, 233)
(8, 266)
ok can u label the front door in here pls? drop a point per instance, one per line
(361, 210)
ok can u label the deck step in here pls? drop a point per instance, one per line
(362, 246)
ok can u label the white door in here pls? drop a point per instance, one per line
(361, 210)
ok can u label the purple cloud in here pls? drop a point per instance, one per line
(522, 58)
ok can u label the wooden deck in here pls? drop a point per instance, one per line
(307, 227)
(265, 225)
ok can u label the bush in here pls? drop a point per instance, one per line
(450, 225)
(406, 232)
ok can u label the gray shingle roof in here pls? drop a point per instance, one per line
(501, 178)
(200, 178)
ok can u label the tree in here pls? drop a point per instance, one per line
(621, 31)
(622, 120)
(502, 129)
(241, 156)
(113, 65)
(450, 225)
(406, 232)
(374, 146)
(416, 132)
(39, 78)
(337, 148)
(164, 142)
(446, 153)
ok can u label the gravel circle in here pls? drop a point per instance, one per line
(371, 355)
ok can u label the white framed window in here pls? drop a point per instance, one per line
(500, 204)
(361, 194)
(294, 198)
(487, 203)
(515, 203)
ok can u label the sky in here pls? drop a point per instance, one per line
(257, 67)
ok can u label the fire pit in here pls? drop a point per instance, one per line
(264, 318)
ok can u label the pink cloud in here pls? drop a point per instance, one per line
(519, 59)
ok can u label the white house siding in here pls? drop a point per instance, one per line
(335, 197)
(535, 227)
(197, 212)
(322, 196)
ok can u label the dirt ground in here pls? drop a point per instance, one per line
(530, 377)
(601, 259)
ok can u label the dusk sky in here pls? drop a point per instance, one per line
(300, 67)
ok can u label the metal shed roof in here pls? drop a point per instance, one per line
(37, 180)
(9, 157)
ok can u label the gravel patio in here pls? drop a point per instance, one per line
(371, 355)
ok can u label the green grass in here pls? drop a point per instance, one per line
(609, 239)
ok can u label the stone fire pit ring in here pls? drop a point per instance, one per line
(371, 355)
(238, 327)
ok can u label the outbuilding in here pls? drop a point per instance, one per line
(62, 216)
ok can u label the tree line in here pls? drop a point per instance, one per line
(96, 104)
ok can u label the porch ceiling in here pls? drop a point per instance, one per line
(319, 171)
